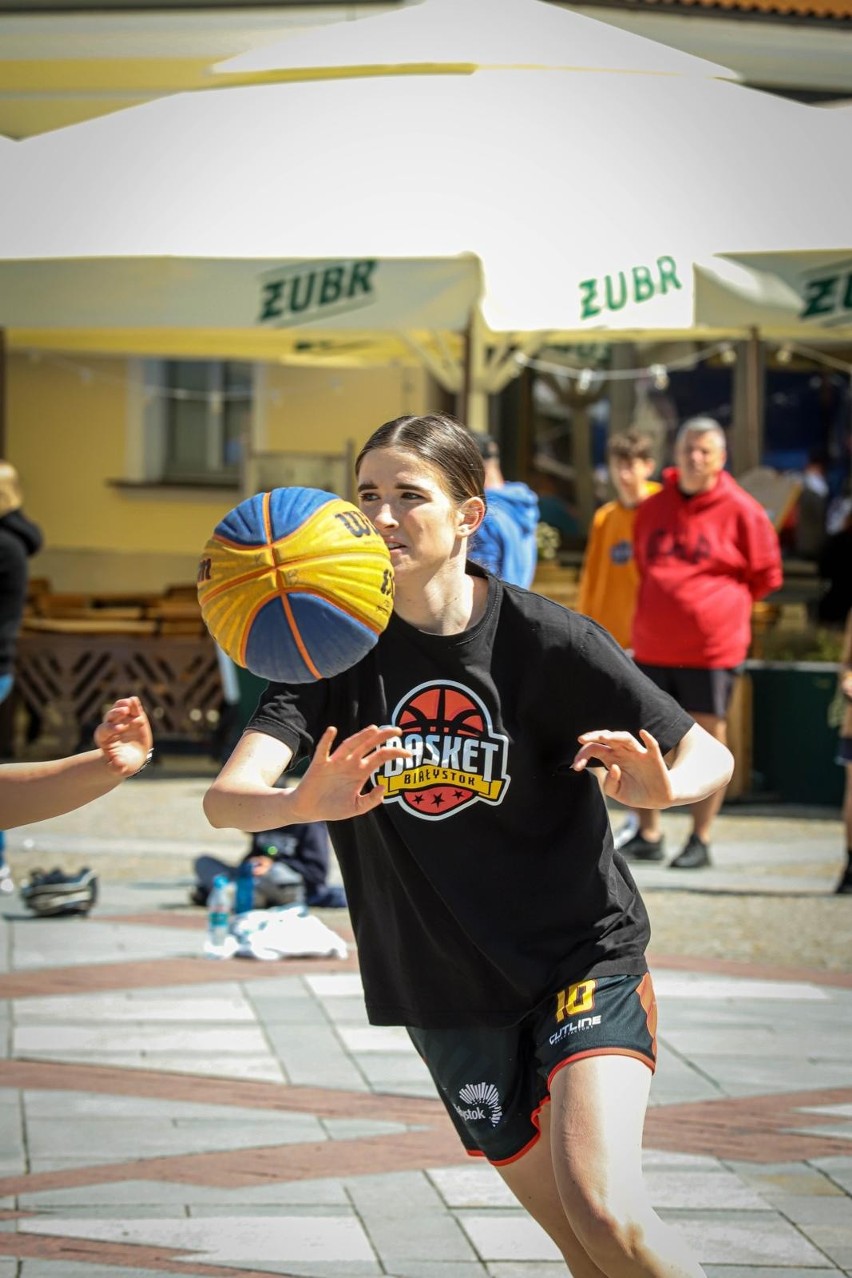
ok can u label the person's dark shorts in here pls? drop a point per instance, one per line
(494, 1081)
(697, 690)
(844, 751)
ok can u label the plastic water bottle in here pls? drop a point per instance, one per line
(245, 889)
(218, 918)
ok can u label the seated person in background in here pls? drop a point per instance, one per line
(288, 864)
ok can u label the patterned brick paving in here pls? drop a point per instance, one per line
(98, 978)
(204, 1090)
(337, 920)
(763, 1129)
(84, 1251)
(756, 1129)
(752, 971)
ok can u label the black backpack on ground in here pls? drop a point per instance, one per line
(57, 893)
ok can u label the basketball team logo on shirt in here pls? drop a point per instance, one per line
(458, 758)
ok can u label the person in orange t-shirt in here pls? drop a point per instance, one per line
(609, 579)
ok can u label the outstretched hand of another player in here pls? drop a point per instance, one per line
(636, 772)
(331, 789)
(124, 737)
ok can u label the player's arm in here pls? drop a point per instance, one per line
(638, 775)
(36, 791)
(244, 795)
(698, 766)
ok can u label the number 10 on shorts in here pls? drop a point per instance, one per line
(575, 999)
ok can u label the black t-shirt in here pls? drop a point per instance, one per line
(487, 878)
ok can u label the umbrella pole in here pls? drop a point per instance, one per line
(748, 405)
(473, 409)
(754, 399)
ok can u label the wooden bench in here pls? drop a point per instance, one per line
(78, 651)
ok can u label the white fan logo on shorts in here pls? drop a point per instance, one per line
(484, 1095)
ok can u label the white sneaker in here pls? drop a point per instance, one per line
(7, 884)
(627, 831)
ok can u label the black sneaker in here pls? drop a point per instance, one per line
(844, 887)
(694, 855)
(329, 897)
(641, 849)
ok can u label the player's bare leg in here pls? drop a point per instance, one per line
(649, 824)
(704, 812)
(589, 1161)
(532, 1181)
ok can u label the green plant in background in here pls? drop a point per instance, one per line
(814, 643)
(547, 539)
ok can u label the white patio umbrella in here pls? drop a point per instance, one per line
(461, 37)
(591, 204)
(813, 284)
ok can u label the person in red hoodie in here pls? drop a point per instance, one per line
(706, 551)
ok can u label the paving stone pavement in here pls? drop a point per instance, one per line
(163, 1113)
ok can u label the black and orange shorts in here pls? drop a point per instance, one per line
(493, 1081)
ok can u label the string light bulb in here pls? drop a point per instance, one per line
(584, 381)
(728, 354)
(784, 355)
(659, 376)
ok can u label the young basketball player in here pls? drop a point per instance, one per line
(492, 916)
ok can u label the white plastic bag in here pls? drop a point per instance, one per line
(285, 931)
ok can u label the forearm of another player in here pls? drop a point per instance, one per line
(244, 796)
(699, 766)
(37, 791)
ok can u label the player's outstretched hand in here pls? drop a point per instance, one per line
(124, 737)
(636, 770)
(331, 789)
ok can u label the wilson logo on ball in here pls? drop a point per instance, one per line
(295, 585)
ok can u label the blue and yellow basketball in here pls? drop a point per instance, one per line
(295, 585)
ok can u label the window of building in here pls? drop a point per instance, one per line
(195, 421)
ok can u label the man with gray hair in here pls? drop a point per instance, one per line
(706, 551)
